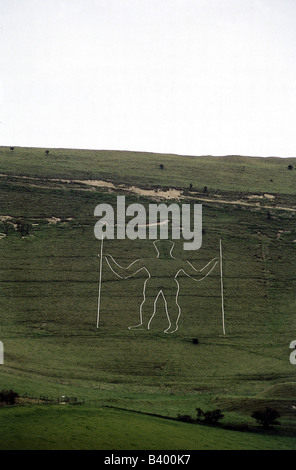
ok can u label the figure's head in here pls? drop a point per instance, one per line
(164, 248)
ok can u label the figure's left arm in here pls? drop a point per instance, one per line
(199, 275)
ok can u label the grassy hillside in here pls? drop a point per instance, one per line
(48, 304)
(89, 428)
(229, 173)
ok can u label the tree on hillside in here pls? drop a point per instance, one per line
(290, 167)
(267, 418)
(209, 417)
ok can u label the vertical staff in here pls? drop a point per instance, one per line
(100, 283)
(222, 293)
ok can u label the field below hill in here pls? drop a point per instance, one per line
(127, 387)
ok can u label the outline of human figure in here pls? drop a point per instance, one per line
(153, 288)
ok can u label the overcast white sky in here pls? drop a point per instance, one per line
(193, 77)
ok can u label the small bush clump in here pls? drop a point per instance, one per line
(203, 417)
(266, 418)
(8, 397)
(208, 417)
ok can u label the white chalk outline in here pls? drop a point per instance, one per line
(160, 291)
(222, 289)
(1, 353)
(100, 282)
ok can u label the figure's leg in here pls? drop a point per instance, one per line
(173, 308)
(147, 308)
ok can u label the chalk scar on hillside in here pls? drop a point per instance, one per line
(157, 194)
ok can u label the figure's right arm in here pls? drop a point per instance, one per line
(199, 275)
(120, 271)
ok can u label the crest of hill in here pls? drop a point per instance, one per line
(235, 173)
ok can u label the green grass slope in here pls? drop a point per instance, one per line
(229, 173)
(88, 428)
(48, 306)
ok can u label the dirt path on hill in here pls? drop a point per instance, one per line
(158, 194)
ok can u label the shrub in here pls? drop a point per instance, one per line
(8, 397)
(186, 418)
(209, 417)
(212, 417)
(6, 227)
(267, 418)
(24, 228)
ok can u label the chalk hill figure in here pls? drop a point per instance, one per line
(162, 279)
